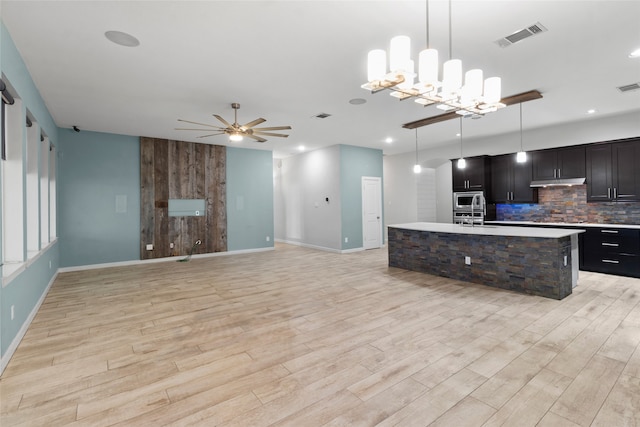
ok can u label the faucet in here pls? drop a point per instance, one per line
(481, 201)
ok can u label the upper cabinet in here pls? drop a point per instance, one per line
(511, 180)
(612, 171)
(559, 163)
(475, 176)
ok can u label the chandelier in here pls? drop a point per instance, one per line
(475, 96)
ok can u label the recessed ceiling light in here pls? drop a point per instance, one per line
(592, 111)
(301, 148)
(635, 54)
(357, 101)
(457, 134)
(388, 140)
(123, 39)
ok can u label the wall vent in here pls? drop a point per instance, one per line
(629, 88)
(519, 35)
(322, 116)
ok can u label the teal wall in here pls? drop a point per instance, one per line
(249, 199)
(24, 290)
(356, 162)
(94, 168)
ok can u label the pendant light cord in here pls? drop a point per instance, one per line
(416, 146)
(427, 22)
(450, 37)
(460, 136)
(521, 127)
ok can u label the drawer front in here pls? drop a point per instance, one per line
(626, 265)
(613, 240)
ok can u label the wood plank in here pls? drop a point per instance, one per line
(277, 338)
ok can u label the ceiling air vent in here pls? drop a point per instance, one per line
(629, 88)
(519, 35)
(322, 116)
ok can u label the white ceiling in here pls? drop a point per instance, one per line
(288, 61)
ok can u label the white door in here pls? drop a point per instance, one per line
(371, 212)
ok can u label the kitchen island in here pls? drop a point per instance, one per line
(537, 261)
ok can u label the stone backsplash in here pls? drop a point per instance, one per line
(569, 204)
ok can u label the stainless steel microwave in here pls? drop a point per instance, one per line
(463, 201)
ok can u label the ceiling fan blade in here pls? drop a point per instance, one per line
(203, 130)
(257, 132)
(211, 134)
(274, 128)
(257, 138)
(226, 123)
(253, 123)
(201, 124)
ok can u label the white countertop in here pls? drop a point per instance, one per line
(489, 230)
(566, 224)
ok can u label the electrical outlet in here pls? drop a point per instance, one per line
(346, 240)
(268, 239)
(13, 312)
(171, 245)
(467, 260)
(149, 247)
(565, 260)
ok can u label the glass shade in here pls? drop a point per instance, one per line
(417, 168)
(451, 76)
(521, 157)
(492, 90)
(472, 84)
(428, 66)
(235, 137)
(376, 65)
(462, 163)
(400, 53)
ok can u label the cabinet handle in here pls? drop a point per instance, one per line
(608, 192)
(559, 174)
(512, 198)
(615, 193)
(611, 261)
(609, 231)
(615, 245)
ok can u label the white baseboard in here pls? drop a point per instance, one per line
(4, 361)
(320, 248)
(154, 260)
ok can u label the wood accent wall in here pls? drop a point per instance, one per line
(181, 170)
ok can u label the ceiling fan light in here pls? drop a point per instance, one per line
(376, 65)
(235, 137)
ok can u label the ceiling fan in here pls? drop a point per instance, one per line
(236, 131)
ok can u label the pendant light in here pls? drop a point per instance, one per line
(462, 163)
(521, 156)
(417, 168)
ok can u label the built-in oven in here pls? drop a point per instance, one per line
(463, 201)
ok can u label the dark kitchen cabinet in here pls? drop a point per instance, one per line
(612, 171)
(510, 181)
(611, 250)
(557, 163)
(475, 176)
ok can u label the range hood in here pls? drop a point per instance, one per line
(557, 182)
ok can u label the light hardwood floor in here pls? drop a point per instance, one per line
(298, 337)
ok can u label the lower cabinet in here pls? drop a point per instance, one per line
(611, 250)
